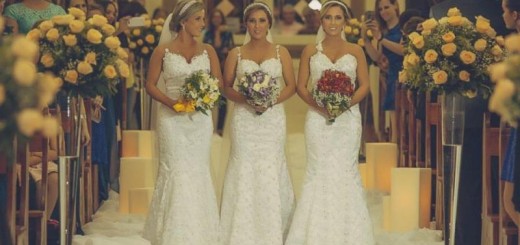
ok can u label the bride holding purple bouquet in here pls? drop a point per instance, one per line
(257, 200)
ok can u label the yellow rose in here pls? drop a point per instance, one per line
(123, 68)
(91, 58)
(98, 20)
(160, 21)
(71, 76)
(512, 43)
(52, 35)
(403, 76)
(361, 42)
(47, 60)
(480, 45)
(2, 94)
(147, 23)
(496, 50)
(426, 32)
(348, 29)
(369, 33)
(497, 71)
(453, 12)
(76, 26)
(448, 37)
(62, 20)
(48, 84)
(470, 93)
(24, 48)
(504, 90)
(108, 29)
(440, 77)
(430, 56)
(34, 35)
(136, 32)
(412, 59)
(206, 99)
(149, 39)
(179, 107)
(418, 42)
(145, 50)
(482, 24)
(413, 35)
(464, 76)
(448, 49)
(443, 20)
(46, 25)
(50, 127)
(112, 42)
(110, 71)
(94, 36)
(500, 40)
(24, 72)
(190, 106)
(84, 68)
(491, 33)
(355, 31)
(122, 54)
(467, 57)
(429, 24)
(158, 29)
(140, 42)
(78, 13)
(455, 20)
(70, 40)
(132, 45)
(29, 121)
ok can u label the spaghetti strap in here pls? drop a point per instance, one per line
(239, 55)
(278, 51)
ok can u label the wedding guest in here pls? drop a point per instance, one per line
(22, 16)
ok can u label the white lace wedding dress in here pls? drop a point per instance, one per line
(257, 198)
(332, 209)
(184, 207)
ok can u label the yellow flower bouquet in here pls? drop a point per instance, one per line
(23, 93)
(505, 99)
(200, 92)
(451, 55)
(84, 53)
(143, 40)
(353, 32)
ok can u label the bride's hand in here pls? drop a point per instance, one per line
(323, 111)
(259, 108)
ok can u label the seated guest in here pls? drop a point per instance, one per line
(288, 24)
(312, 21)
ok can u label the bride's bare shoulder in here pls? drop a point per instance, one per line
(309, 50)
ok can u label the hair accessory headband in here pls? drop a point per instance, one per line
(186, 6)
(259, 4)
(342, 5)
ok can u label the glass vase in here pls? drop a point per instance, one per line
(452, 139)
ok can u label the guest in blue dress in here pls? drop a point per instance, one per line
(386, 30)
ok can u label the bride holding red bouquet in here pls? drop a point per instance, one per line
(333, 79)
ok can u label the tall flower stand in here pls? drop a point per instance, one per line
(452, 139)
(69, 164)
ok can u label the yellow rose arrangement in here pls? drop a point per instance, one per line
(452, 55)
(83, 53)
(23, 93)
(143, 40)
(505, 99)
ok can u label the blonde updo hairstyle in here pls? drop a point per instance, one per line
(182, 11)
(258, 5)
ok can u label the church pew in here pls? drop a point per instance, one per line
(433, 153)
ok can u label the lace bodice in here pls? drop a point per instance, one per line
(176, 69)
(319, 62)
(272, 66)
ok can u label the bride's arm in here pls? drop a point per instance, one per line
(214, 64)
(154, 72)
(230, 68)
(288, 76)
(303, 78)
(362, 76)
